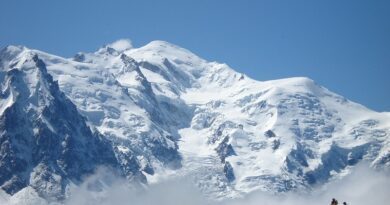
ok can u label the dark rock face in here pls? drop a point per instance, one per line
(275, 144)
(225, 149)
(269, 134)
(44, 141)
(228, 170)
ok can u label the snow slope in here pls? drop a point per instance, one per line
(168, 112)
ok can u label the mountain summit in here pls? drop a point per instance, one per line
(160, 111)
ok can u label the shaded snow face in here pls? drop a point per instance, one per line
(44, 142)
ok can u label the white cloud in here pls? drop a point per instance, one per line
(121, 45)
(117, 191)
(364, 186)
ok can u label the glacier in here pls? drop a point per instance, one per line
(159, 112)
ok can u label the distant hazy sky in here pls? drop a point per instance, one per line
(343, 45)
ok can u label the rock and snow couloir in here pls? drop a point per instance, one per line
(160, 111)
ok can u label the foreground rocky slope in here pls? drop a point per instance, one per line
(159, 112)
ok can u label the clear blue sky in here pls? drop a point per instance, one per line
(343, 45)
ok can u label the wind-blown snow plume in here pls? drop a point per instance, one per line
(121, 45)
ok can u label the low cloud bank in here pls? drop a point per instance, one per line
(363, 186)
(102, 188)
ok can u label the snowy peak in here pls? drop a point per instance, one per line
(161, 111)
(164, 49)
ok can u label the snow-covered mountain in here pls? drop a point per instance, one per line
(159, 111)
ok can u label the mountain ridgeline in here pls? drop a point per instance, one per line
(159, 111)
